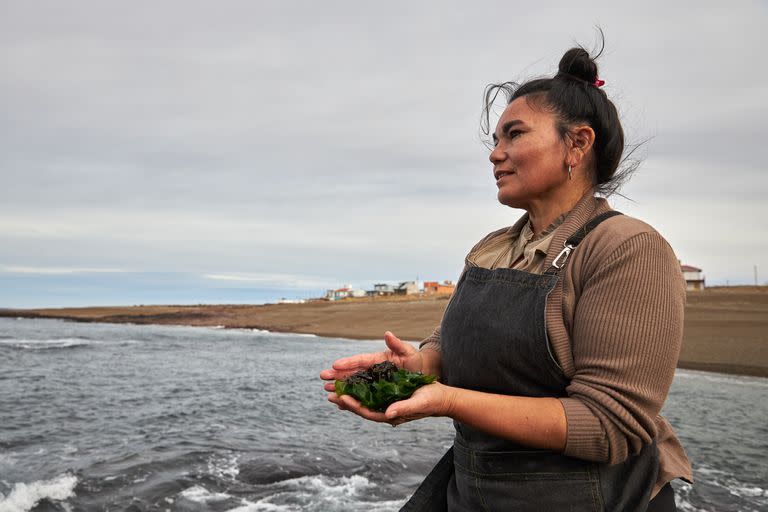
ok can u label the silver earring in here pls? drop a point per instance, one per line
(570, 176)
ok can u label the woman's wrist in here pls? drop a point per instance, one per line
(448, 405)
(430, 361)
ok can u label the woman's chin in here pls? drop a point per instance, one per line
(509, 200)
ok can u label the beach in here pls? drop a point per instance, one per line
(726, 328)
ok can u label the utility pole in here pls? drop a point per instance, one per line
(755, 267)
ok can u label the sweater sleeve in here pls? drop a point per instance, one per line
(626, 337)
(431, 342)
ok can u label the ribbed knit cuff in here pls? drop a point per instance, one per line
(429, 344)
(586, 438)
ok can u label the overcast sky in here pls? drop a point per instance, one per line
(311, 144)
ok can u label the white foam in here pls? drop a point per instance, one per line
(327, 486)
(748, 491)
(199, 494)
(262, 506)
(224, 467)
(263, 332)
(24, 497)
(319, 493)
(30, 344)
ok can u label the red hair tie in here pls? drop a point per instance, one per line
(599, 83)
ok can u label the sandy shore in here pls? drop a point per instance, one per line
(726, 329)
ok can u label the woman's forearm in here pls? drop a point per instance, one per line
(534, 422)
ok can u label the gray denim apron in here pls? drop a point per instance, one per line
(494, 340)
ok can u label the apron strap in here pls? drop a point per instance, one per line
(559, 262)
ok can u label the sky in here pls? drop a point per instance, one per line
(189, 151)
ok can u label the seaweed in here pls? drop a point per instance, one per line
(382, 384)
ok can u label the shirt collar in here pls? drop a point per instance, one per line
(527, 231)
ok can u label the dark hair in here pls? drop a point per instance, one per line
(574, 96)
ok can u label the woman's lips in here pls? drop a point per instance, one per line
(500, 175)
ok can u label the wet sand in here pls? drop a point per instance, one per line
(726, 328)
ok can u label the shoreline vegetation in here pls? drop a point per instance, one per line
(726, 328)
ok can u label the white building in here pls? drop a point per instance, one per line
(694, 280)
(407, 288)
(343, 293)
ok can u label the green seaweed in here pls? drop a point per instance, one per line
(381, 385)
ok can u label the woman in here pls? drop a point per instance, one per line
(559, 345)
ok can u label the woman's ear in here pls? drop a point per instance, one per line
(581, 138)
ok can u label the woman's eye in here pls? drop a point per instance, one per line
(514, 133)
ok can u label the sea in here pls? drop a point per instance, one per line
(118, 417)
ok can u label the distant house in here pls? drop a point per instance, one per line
(693, 278)
(407, 288)
(344, 293)
(446, 287)
(337, 294)
(381, 289)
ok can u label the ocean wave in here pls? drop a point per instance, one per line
(748, 492)
(24, 497)
(46, 344)
(59, 343)
(224, 467)
(722, 378)
(320, 493)
(303, 494)
(685, 506)
(199, 494)
(262, 507)
(7, 459)
(264, 332)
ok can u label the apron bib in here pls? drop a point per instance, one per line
(494, 340)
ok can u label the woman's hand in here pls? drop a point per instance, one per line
(403, 354)
(434, 399)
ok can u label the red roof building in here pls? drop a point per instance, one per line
(445, 287)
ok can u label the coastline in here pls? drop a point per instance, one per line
(726, 328)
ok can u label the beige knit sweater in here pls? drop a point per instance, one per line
(615, 324)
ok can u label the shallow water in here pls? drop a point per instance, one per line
(123, 417)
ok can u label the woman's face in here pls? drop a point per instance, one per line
(529, 155)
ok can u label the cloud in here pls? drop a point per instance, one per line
(341, 141)
(12, 269)
(273, 280)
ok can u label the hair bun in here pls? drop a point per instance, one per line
(577, 63)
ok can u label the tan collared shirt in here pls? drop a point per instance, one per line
(520, 250)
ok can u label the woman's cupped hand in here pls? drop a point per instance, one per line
(430, 400)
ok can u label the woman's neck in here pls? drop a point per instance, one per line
(541, 214)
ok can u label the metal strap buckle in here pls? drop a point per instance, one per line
(563, 254)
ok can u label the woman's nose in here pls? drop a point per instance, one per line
(496, 156)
